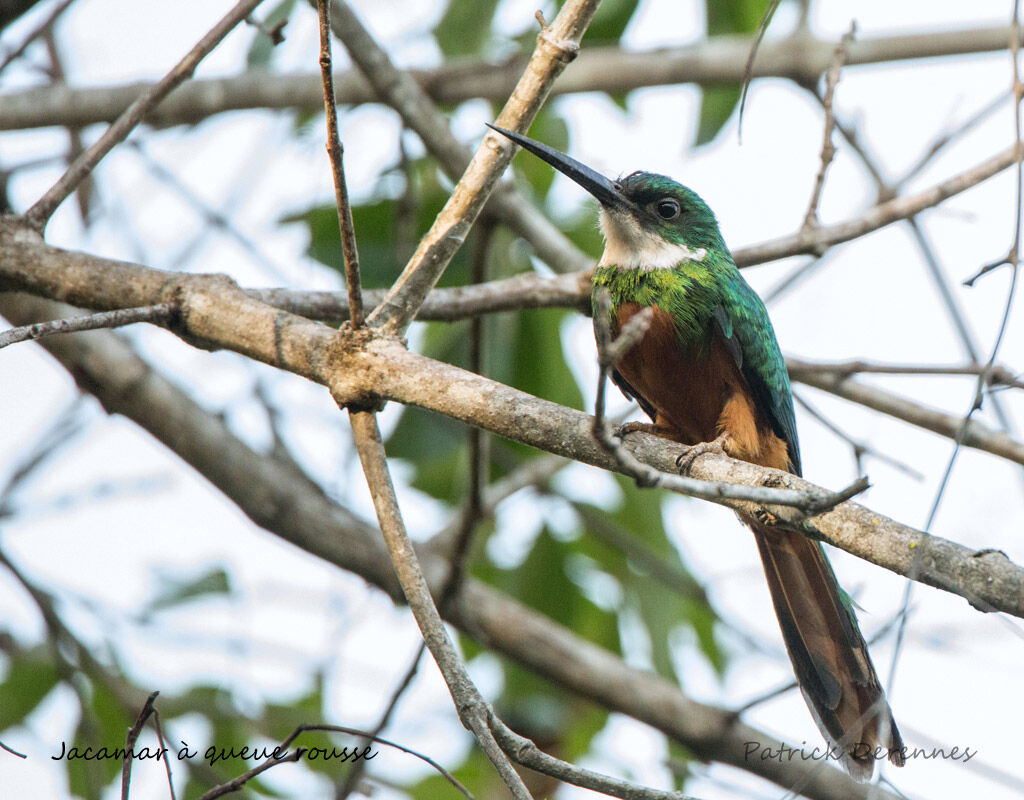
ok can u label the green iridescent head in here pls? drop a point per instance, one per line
(649, 221)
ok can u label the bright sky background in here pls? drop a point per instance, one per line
(958, 679)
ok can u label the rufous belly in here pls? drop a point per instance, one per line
(698, 392)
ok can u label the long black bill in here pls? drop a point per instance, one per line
(598, 185)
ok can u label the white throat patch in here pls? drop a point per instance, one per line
(628, 246)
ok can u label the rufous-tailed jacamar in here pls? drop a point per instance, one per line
(708, 371)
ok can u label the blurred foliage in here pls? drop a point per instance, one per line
(262, 49)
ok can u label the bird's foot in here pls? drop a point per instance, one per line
(643, 427)
(766, 518)
(719, 446)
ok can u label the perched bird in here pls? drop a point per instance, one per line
(708, 371)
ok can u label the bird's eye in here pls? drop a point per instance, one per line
(668, 208)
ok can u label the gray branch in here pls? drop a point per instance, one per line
(716, 61)
(276, 495)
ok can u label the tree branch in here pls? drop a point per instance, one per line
(158, 315)
(557, 44)
(43, 208)
(216, 313)
(719, 60)
(278, 496)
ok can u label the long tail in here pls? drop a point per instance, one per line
(829, 655)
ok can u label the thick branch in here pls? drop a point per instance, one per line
(720, 60)
(216, 313)
(277, 496)
(277, 337)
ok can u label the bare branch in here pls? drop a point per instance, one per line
(238, 782)
(159, 314)
(878, 217)
(133, 735)
(43, 209)
(976, 435)
(828, 150)
(471, 707)
(715, 61)
(997, 374)
(280, 498)
(336, 151)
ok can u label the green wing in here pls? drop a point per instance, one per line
(748, 332)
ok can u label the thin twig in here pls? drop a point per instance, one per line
(996, 375)
(359, 767)
(129, 744)
(879, 216)
(39, 30)
(75, 146)
(527, 753)
(167, 764)
(860, 448)
(237, 783)
(748, 69)
(158, 315)
(323, 728)
(470, 705)
(828, 150)
(947, 137)
(336, 152)
(12, 751)
(39, 214)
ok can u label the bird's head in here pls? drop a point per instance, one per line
(649, 221)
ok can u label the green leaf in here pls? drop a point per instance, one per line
(374, 225)
(532, 358)
(174, 592)
(716, 107)
(30, 677)
(610, 21)
(465, 27)
(102, 724)
(262, 48)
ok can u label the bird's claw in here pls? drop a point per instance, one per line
(765, 517)
(634, 427)
(686, 459)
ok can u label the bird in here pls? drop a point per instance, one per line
(709, 373)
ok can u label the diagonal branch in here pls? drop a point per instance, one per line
(216, 313)
(40, 213)
(557, 44)
(472, 709)
(277, 495)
